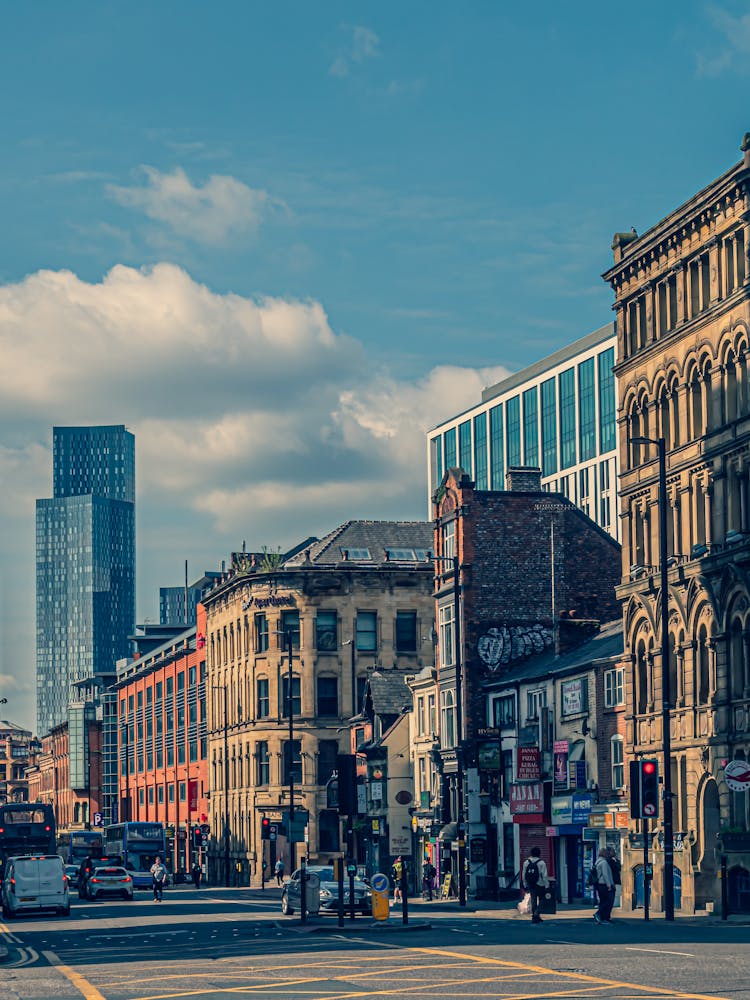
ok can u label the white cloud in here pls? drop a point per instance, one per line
(211, 213)
(254, 420)
(734, 51)
(363, 44)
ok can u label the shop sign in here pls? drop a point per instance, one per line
(601, 821)
(574, 696)
(528, 764)
(488, 755)
(621, 820)
(525, 799)
(566, 809)
(376, 791)
(552, 831)
(399, 842)
(477, 850)
(560, 750)
(528, 736)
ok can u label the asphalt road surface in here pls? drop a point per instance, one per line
(223, 944)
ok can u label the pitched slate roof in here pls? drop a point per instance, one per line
(374, 536)
(389, 692)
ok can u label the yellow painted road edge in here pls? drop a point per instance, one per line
(581, 977)
(80, 982)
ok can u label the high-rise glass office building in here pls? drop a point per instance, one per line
(85, 564)
(559, 414)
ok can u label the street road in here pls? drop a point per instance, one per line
(223, 943)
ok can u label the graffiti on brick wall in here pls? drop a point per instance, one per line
(500, 646)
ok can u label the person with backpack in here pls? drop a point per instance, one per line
(428, 878)
(535, 880)
(397, 872)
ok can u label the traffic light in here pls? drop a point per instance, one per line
(346, 766)
(197, 838)
(644, 789)
(265, 828)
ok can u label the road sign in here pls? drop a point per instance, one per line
(98, 819)
(737, 775)
(649, 809)
(379, 882)
(273, 831)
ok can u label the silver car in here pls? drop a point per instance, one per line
(329, 892)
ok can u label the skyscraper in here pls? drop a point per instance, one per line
(85, 563)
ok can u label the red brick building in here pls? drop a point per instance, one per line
(49, 777)
(162, 738)
(16, 747)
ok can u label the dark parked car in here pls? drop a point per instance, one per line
(71, 872)
(329, 892)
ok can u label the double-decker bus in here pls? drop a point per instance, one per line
(75, 846)
(137, 844)
(26, 828)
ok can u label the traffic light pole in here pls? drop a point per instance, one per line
(666, 694)
(646, 876)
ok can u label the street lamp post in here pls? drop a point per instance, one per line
(666, 694)
(223, 689)
(457, 655)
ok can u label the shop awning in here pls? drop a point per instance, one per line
(449, 832)
(577, 751)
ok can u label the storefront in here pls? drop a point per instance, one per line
(569, 815)
(528, 811)
(607, 827)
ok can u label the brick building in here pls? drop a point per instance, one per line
(49, 776)
(16, 747)
(524, 558)
(162, 736)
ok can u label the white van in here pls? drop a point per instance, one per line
(33, 883)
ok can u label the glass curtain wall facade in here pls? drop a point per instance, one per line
(85, 564)
(558, 414)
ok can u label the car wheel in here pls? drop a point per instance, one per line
(65, 911)
(285, 907)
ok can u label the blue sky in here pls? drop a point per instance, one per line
(280, 241)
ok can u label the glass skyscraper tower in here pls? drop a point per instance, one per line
(85, 564)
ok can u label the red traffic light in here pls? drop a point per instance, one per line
(649, 767)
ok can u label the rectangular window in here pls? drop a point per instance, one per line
(450, 448)
(535, 701)
(480, 451)
(614, 687)
(327, 754)
(607, 402)
(159, 690)
(431, 714)
(420, 716)
(586, 410)
(507, 772)
(328, 696)
(436, 450)
(618, 762)
(445, 618)
(193, 751)
(262, 700)
(261, 633)
(289, 625)
(497, 451)
(262, 764)
(513, 431)
(504, 712)
(406, 632)
(180, 682)
(183, 791)
(170, 686)
(464, 447)
(293, 761)
(531, 427)
(326, 636)
(567, 387)
(367, 635)
(549, 428)
(192, 676)
(296, 696)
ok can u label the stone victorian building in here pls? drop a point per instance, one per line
(358, 600)
(682, 302)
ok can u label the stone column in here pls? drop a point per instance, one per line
(746, 253)
(650, 314)
(746, 664)
(714, 271)
(679, 273)
(708, 499)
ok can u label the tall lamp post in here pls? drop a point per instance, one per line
(666, 694)
(223, 689)
(460, 832)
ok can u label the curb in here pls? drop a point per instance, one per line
(379, 926)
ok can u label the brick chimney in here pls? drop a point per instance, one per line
(523, 479)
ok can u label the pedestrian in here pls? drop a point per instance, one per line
(278, 870)
(159, 877)
(428, 878)
(535, 880)
(197, 871)
(605, 887)
(397, 871)
(616, 869)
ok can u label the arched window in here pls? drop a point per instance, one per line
(672, 667)
(634, 431)
(695, 405)
(737, 659)
(663, 413)
(730, 388)
(674, 399)
(641, 679)
(701, 652)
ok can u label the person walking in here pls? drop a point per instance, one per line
(535, 879)
(158, 877)
(197, 872)
(428, 878)
(397, 872)
(605, 887)
(278, 870)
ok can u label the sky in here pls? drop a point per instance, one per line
(281, 241)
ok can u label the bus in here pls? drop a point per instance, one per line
(74, 846)
(26, 828)
(137, 844)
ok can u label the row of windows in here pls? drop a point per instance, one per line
(155, 692)
(554, 425)
(504, 707)
(259, 767)
(257, 635)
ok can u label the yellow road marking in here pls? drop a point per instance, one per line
(89, 991)
(485, 960)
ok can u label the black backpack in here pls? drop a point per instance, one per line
(614, 864)
(531, 875)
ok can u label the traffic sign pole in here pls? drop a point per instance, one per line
(646, 879)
